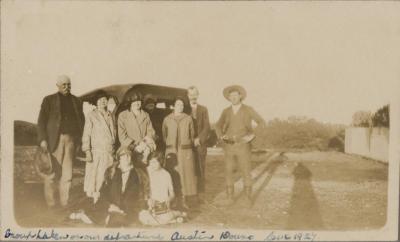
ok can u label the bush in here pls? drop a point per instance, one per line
(25, 133)
(381, 117)
(336, 143)
(300, 133)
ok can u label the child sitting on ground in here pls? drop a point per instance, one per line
(160, 197)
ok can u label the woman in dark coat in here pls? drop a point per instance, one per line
(119, 202)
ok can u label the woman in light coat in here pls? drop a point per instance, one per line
(178, 134)
(134, 125)
(136, 133)
(98, 142)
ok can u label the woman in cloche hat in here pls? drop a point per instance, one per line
(98, 142)
(134, 125)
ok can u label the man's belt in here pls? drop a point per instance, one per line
(242, 140)
(188, 146)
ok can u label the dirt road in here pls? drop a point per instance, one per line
(313, 190)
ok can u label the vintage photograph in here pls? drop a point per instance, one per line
(264, 121)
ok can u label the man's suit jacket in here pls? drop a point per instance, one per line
(247, 115)
(203, 126)
(49, 120)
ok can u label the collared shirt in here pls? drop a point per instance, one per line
(235, 108)
(125, 176)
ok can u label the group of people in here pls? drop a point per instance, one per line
(134, 163)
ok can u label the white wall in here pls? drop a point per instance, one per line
(372, 143)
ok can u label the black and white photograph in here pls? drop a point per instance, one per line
(200, 120)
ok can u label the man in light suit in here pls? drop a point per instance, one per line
(201, 121)
(60, 126)
(234, 128)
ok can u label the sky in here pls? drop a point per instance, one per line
(323, 60)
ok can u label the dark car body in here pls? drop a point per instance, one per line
(163, 95)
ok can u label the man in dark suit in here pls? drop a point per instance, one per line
(60, 126)
(234, 128)
(201, 122)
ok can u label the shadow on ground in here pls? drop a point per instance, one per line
(304, 210)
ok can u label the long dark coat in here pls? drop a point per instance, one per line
(49, 120)
(202, 127)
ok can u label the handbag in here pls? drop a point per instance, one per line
(160, 208)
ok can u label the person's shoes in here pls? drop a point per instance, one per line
(80, 215)
(84, 218)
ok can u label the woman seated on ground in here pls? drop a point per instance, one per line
(161, 194)
(118, 204)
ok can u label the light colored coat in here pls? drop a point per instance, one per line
(133, 129)
(178, 133)
(97, 134)
(99, 137)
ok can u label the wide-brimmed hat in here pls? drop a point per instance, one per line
(232, 88)
(43, 162)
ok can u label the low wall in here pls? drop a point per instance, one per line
(372, 143)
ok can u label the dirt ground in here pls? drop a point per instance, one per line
(311, 190)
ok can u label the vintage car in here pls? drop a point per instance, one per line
(25, 133)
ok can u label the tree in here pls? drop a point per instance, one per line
(362, 119)
(381, 117)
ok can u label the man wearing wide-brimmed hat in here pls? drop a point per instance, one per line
(234, 128)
